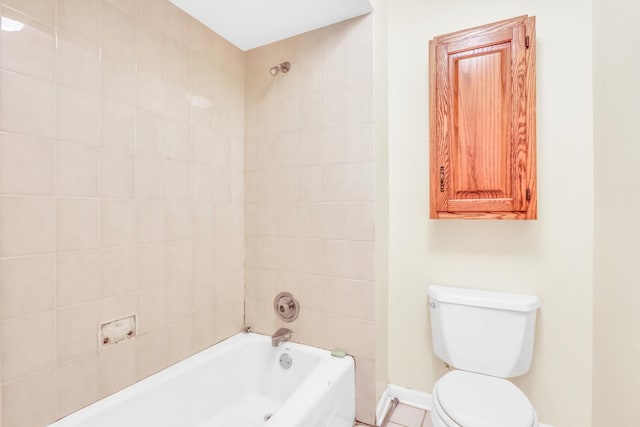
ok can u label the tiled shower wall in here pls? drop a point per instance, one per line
(310, 193)
(121, 192)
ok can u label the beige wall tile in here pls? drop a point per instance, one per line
(128, 6)
(360, 221)
(33, 37)
(117, 126)
(150, 46)
(116, 174)
(179, 301)
(78, 116)
(152, 306)
(26, 225)
(360, 182)
(30, 401)
(117, 367)
(310, 184)
(362, 338)
(310, 292)
(78, 63)
(310, 257)
(43, 10)
(77, 277)
(118, 76)
(119, 271)
(179, 220)
(79, 17)
(179, 261)
(361, 145)
(151, 217)
(149, 133)
(180, 341)
(117, 223)
(361, 260)
(28, 345)
(334, 292)
(178, 57)
(76, 224)
(27, 285)
(26, 165)
(118, 31)
(204, 294)
(78, 384)
(360, 104)
(178, 103)
(114, 308)
(202, 182)
(287, 220)
(334, 258)
(151, 91)
(334, 333)
(179, 30)
(152, 265)
(149, 177)
(76, 170)
(363, 296)
(203, 330)
(27, 104)
(178, 142)
(334, 181)
(287, 185)
(77, 331)
(178, 180)
(152, 353)
(154, 12)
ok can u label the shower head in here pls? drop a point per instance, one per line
(283, 66)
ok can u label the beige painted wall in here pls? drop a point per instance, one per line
(551, 257)
(616, 370)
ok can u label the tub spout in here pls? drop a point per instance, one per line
(281, 335)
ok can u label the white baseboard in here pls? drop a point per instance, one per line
(419, 399)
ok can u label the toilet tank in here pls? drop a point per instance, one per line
(485, 332)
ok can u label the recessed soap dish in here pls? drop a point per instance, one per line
(117, 331)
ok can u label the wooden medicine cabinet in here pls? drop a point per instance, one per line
(483, 122)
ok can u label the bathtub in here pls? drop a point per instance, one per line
(237, 383)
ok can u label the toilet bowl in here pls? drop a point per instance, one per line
(467, 399)
(487, 337)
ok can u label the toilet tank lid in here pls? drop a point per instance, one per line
(486, 299)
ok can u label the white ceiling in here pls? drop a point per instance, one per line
(252, 23)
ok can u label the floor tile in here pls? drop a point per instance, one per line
(408, 416)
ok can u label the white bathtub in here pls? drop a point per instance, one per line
(236, 383)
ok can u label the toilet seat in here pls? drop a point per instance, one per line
(467, 399)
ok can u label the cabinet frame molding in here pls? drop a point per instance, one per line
(515, 193)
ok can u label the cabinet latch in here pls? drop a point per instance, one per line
(442, 179)
(528, 195)
(526, 42)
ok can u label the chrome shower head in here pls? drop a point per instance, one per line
(283, 66)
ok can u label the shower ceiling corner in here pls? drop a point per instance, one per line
(252, 23)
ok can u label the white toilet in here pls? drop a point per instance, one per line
(486, 336)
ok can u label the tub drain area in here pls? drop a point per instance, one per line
(268, 417)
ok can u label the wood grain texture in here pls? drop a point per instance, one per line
(482, 121)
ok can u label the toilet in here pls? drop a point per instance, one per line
(484, 337)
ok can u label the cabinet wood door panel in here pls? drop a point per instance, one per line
(482, 127)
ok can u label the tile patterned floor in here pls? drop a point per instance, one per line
(408, 416)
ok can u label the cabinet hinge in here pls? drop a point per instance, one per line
(526, 42)
(442, 179)
(528, 195)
